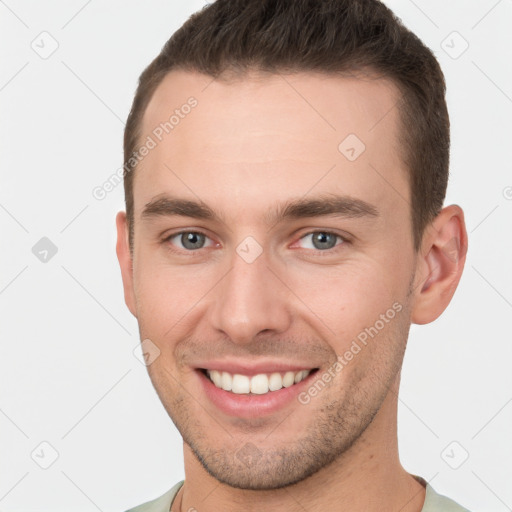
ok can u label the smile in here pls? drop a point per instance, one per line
(259, 384)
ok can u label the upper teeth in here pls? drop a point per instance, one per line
(259, 384)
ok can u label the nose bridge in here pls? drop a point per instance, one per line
(249, 299)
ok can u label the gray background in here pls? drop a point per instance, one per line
(69, 376)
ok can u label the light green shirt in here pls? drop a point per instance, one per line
(433, 502)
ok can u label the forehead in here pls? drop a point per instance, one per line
(284, 134)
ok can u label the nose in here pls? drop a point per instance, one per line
(250, 300)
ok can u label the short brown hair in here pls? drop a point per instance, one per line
(326, 36)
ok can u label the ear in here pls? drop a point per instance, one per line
(439, 265)
(125, 261)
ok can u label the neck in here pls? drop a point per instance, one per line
(367, 477)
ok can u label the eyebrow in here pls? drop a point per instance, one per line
(328, 205)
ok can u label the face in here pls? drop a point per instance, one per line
(297, 256)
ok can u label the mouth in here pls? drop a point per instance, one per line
(254, 389)
(259, 384)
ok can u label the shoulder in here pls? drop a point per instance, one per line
(160, 504)
(435, 502)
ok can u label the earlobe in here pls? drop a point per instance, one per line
(125, 261)
(440, 264)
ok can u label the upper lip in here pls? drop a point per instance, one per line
(253, 368)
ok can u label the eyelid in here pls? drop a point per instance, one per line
(345, 240)
(167, 238)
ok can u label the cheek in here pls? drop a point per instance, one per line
(169, 299)
(348, 300)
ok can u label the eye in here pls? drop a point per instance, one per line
(189, 240)
(321, 240)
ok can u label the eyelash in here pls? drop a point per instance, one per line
(190, 252)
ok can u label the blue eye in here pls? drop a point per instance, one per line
(322, 240)
(189, 240)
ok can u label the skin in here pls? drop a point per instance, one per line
(249, 144)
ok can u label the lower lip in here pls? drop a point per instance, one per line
(252, 405)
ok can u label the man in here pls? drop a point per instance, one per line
(286, 167)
